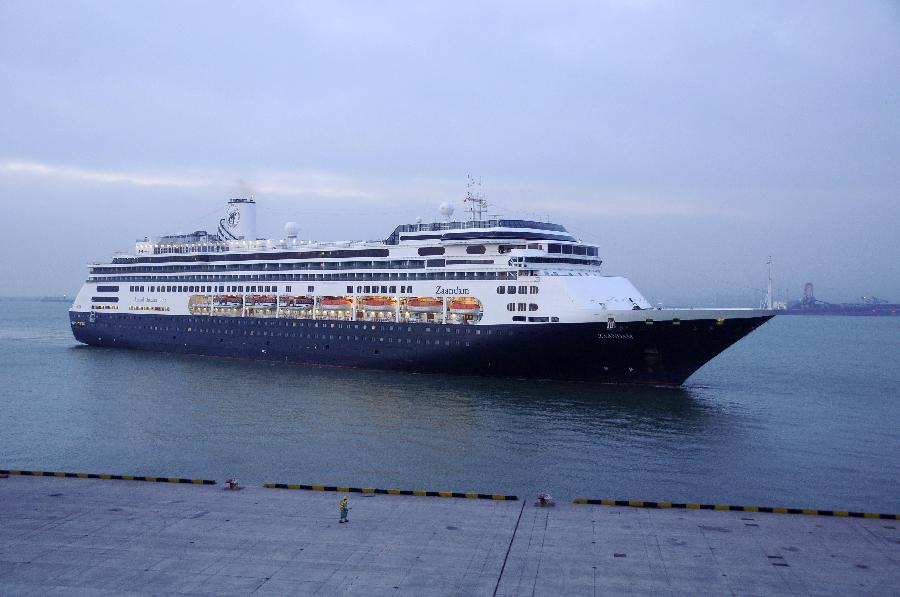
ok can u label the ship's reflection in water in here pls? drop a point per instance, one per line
(266, 422)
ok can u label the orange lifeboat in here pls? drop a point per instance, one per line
(304, 302)
(228, 300)
(336, 303)
(424, 305)
(261, 300)
(464, 306)
(378, 304)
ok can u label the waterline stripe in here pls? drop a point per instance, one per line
(732, 508)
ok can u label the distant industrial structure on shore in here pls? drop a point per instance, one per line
(867, 306)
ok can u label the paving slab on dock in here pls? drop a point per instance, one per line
(587, 550)
(79, 536)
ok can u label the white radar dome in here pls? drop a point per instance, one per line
(446, 209)
(291, 229)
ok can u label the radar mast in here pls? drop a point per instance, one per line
(475, 202)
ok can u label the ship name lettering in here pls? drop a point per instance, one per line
(615, 336)
(440, 290)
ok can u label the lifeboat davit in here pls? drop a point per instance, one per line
(464, 307)
(378, 304)
(336, 303)
(424, 305)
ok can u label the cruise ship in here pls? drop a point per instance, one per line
(480, 295)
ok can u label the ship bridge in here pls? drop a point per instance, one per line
(492, 229)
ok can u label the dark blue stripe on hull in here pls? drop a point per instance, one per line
(661, 353)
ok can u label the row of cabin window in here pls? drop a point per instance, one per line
(204, 288)
(290, 323)
(375, 289)
(471, 250)
(427, 341)
(270, 267)
(573, 250)
(448, 276)
(346, 254)
(267, 288)
(423, 251)
(522, 289)
(521, 307)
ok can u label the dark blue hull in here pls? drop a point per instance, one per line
(659, 353)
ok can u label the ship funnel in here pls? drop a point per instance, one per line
(239, 222)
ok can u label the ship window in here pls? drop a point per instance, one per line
(539, 319)
(475, 249)
(384, 290)
(507, 248)
(534, 289)
(392, 289)
(349, 289)
(523, 290)
(287, 288)
(534, 245)
(567, 249)
(518, 318)
(511, 289)
(368, 289)
(501, 290)
(310, 289)
(425, 251)
(532, 307)
(522, 306)
(578, 250)
(511, 307)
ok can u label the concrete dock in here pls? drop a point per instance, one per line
(98, 537)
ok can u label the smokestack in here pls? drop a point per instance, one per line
(239, 222)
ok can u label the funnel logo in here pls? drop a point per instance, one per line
(234, 216)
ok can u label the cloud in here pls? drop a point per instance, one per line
(51, 171)
(286, 184)
(511, 199)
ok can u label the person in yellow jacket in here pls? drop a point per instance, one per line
(344, 510)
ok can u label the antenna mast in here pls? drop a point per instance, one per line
(770, 300)
(475, 202)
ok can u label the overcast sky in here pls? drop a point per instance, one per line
(689, 140)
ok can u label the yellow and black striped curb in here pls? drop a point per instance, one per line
(422, 493)
(729, 508)
(103, 476)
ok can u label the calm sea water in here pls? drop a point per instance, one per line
(803, 412)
